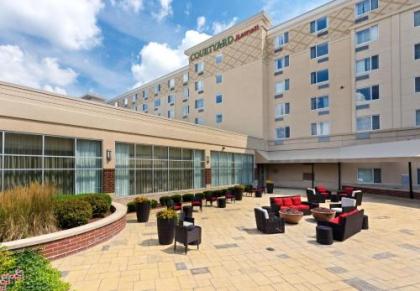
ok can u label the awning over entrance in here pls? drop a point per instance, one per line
(378, 151)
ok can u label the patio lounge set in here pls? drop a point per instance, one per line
(338, 222)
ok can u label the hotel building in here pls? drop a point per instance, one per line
(330, 97)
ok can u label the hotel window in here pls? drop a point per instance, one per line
(185, 110)
(320, 76)
(318, 103)
(199, 120)
(367, 94)
(319, 50)
(199, 67)
(230, 168)
(281, 40)
(366, 65)
(418, 117)
(145, 95)
(157, 89)
(219, 98)
(282, 87)
(367, 35)
(171, 84)
(281, 63)
(369, 176)
(319, 24)
(219, 78)
(199, 86)
(171, 99)
(417, 84)
(219, 59)
(282, 109)
(185, 78)
(199, 103)
(283, 132)
(418, 176)
(186, 93)
(171, 113)
(156, 102)
(219, 118)
(116, 104)
(368, 123)
(417, 18)
(364, 7)
(145, 107)
(320, 129)
(125, 101)
(417, 51)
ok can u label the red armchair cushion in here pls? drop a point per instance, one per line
(321, 189)
(278, 201)
(196, 203)
(350, 213)
(335, 220)
(296, 200)
(287, 201)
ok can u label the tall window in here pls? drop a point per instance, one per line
(219, 59)
(185, 110)
(171, 84)
(367, 35)
(417, 51)
(366, 65)
(282, 86)
(219, 118)
(282, 109)
(185, 78)
(145, 95)
(144, 169)
(156, 102)
(230, 168)
(145, 107)
(199, 103)
(199, 67)
(219, 99)
(281, 63)
(418, 117)
(171, 99)
(281, 40)
(318, 25)
(319, 76)
(319, 50)
(125, 101)
(368, 123)
(171, 113)
(417, 84)
(369, 175)
(157, 89)
(186, 93)
(320, 129)
(417, 18)
(199, 86)
(365, 6)
(318, 103)
(219, 78)
(282, 132)
(199, 120)
(367, 94)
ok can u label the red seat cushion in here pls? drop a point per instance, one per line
(350, 213)
(196, 203)
(296, 200)
(301, 207)
(335, 220)
(348, 190)
(278, 201)
(287, 201)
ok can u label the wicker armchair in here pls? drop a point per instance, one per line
(346, 205)
(313, 196)
(187, 233)
(268, 223)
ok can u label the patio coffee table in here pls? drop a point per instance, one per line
(322, 213)
(291, 216)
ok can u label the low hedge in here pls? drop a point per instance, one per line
(187, 197)
(163, 200)
(176, 198)
(100, 203)
(72, 213)
(199, 196)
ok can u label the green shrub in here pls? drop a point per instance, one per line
(208, 194)
(131, 206)
(7, 261)
(163, 200)
(141, 199)
(72, 213)
(199, 196)
(38, 273)
(99, 203)
(153, 203)
(167, 214)
(176, 198)
(187, 197)
(27, 211)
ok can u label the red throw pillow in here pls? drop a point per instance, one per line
(321, 188)
(335, 220)
(296, 200)
(278, 201)
(287, 201)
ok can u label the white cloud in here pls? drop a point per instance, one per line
(218, 27)
(201, 22)
(164, 11)
(157, 59)
(188, 8)
(128, 5)
(68, 24)
(21, 68)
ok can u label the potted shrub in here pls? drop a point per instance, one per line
(163, 200)
(187, 197)
(270, 186)
(238, 192)
(166, 221)
(142, 209)
(153, 203)
(176, 198)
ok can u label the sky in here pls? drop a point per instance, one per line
(107, 47)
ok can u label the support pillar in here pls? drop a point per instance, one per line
(410, 180)
(339, 175)
(313, 175)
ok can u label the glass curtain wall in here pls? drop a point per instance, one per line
(72, 165)
(147, 169)
(231, 168)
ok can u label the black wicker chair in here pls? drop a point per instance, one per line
(187, 233)
(268, 223)
(345, 226)
(313, 196)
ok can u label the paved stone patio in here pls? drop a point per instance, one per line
(234, 256)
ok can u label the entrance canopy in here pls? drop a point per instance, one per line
(379, 151)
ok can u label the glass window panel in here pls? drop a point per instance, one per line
(22, 162)
(17, 178)
(417, 18)
(365, 175)
(144, 152)
(57, 146)
(62, 180)
(23, 144)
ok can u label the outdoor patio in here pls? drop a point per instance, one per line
(235, 256)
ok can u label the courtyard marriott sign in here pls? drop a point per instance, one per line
(222, 43)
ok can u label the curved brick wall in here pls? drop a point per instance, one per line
(67, 242)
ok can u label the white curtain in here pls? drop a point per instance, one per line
(88, 166)
(122, 159)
